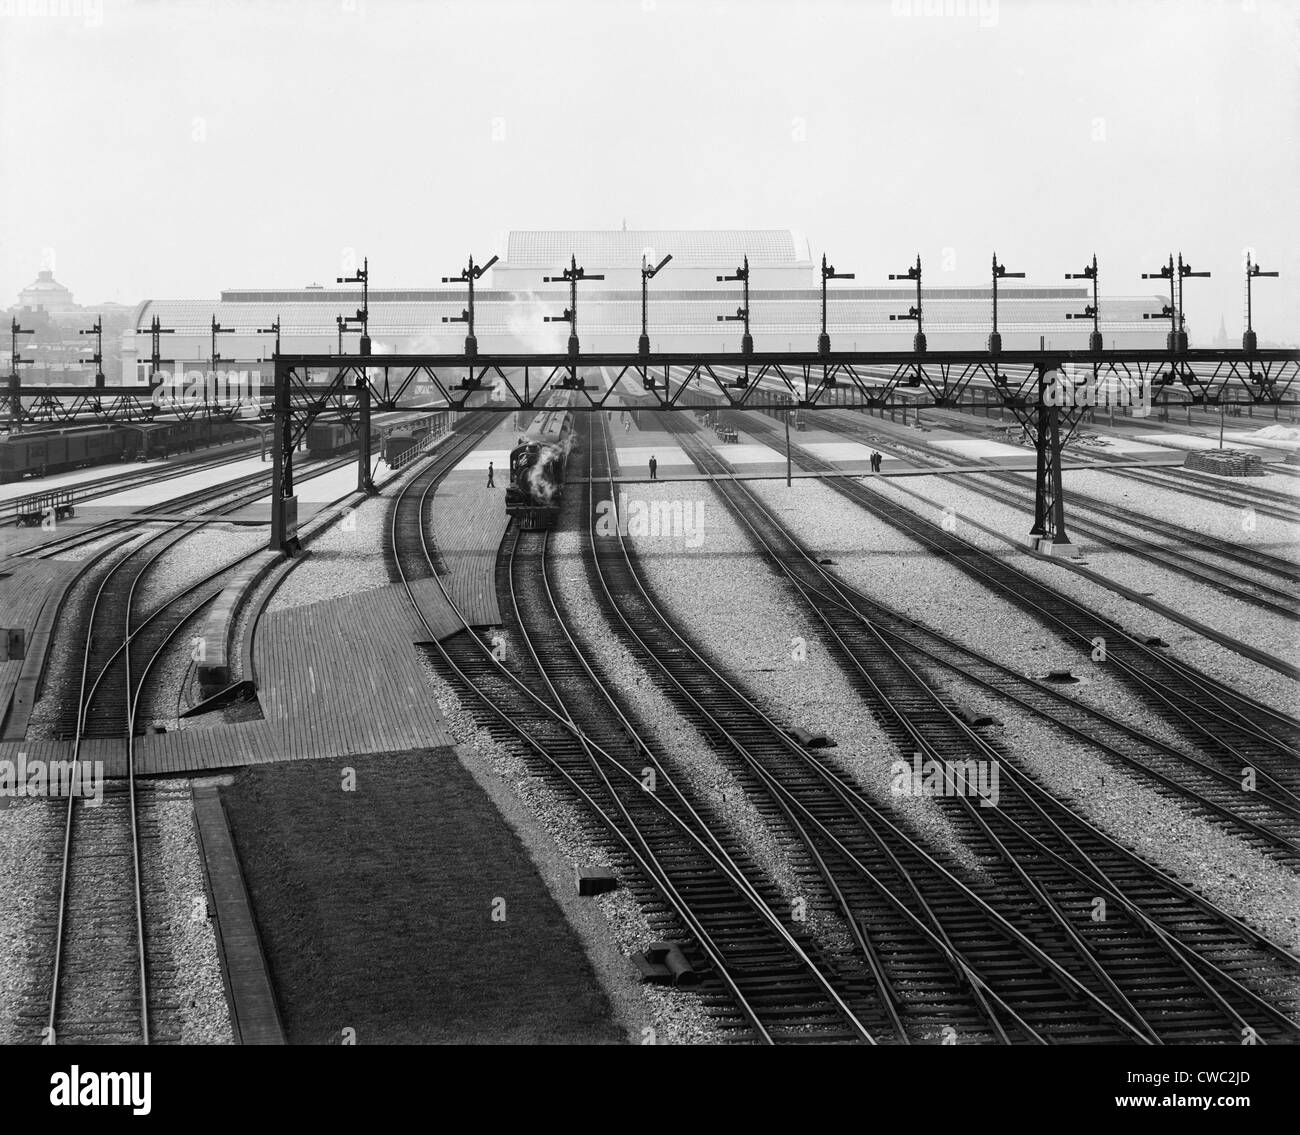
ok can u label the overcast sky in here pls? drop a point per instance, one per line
(172, 148)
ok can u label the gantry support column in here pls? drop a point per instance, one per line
(284, 505)
(364, 483)
(1049, 499)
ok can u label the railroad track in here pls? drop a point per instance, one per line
(1202, 485)
(1210, 715)
(776, 991)
(99, 988)
(107, 952)
(209, 495)
(100, 991)
(1268, 818)
(1226, 580)
(1205, 487)
(1172, 968)
(145, 473)
(110, 698)
(1276, 569)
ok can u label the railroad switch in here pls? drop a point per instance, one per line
(663, 963)
(595, 880)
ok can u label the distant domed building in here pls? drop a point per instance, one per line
(46, 294)
(61, 355)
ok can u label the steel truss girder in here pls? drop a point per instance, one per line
(1047, 391)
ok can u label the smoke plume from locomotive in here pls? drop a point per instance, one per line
(541, 487)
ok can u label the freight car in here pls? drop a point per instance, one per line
(536, 489)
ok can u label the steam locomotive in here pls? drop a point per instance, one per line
(536, 488)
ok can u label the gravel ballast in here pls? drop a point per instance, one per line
(685, 753)
(186, 991)
(734, 607)
(1224, 665)
(556, 830)
(1121, 803)
(1227, 520)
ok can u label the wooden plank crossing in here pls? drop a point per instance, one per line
(36, 750)
(437, 611)
(335, 679)
(254, 1015)
(468, 520)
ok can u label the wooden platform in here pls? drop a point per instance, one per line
(335, 679)
(30, 594)
(254, 1015)
(468, 521)
(342, 677)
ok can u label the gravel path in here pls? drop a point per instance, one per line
(346, 557)
(1075, 506)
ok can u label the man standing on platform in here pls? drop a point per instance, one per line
(490, 484)
(654, 466)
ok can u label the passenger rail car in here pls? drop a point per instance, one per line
(399, 443)
(536, 489)
(325, 439)
(41, 452)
